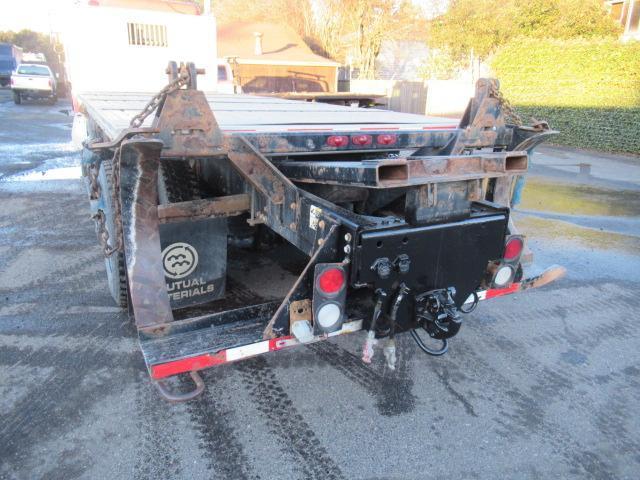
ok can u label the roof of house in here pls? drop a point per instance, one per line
(280, 45)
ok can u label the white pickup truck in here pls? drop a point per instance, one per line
(32, 80)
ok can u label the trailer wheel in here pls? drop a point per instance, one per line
(115, 263)
(17, 99)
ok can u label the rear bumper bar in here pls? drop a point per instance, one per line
(202, 361)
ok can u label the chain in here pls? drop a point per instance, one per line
(156, 101)
(510, 114)
(116, 201)
(101, 219)
(94, 185)
(136, 122)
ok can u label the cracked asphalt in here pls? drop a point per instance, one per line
(538, 385)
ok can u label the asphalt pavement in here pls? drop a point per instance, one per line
(544, 384)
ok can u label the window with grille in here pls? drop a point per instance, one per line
(147, 35)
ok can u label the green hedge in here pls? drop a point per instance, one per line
(587, 89)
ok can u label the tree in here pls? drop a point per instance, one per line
(358, 28)
(35, 42)
(297, 14)
(481, 26)
(338, 29)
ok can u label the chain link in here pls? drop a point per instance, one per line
(95, 189)
(156, 101)
(510, 114)
(100, 218)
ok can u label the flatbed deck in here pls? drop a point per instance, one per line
(113, 111)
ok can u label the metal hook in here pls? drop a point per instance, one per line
(182, 397)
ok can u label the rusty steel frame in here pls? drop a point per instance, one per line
(185, 127)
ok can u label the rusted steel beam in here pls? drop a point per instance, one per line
(261, 173)
(366, 173)
(139, 162)
(435, 169)
(206, 208)
(411, 171)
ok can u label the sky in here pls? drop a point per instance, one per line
(37, 14)
(31, 14)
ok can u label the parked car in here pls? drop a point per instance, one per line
(267, 84)
(34, 81)
(225, 78)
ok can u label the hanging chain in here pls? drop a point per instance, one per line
(116, 201)
(156, 101)
(100, 217)
(510, 114)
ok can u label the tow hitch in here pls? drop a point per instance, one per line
(437, 314)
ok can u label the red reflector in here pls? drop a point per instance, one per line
(361, 140)
(338, 141)
(387, 139)
(513, 248)
(331, 280)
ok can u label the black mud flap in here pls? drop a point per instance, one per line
(194, 259)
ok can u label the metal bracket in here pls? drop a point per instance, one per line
(140, 160)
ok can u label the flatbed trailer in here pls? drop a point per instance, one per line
(235, 225)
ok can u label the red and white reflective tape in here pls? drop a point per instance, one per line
(206, 360)
(494, 292)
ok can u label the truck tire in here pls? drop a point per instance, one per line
(177, 182)
(115, 263)
(17, 99)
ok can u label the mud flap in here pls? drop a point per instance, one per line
(194, 260)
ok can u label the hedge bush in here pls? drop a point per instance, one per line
(587, 89)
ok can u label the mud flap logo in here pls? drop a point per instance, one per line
(179, 260)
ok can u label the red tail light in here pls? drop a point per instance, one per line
(12, 81)
(387, 139)
(361, 140)
(50, 84)
(513, 248)
(331, 281)
(338, 141)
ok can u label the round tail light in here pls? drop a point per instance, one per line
(513, 248)
(503, 276)
(331, 281)
(338, 141)
(361, 140)
(328, 315)
(387, 139)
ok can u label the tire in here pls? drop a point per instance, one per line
(115, 263)
(17, 99)
(177, 182)
(52, 100)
